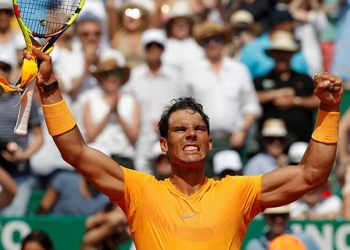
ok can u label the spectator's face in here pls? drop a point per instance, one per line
(5, 19)
(111, 80)
(277, 222)
(154, 52)
(286, 26)
(282, 60)
(31, 245)
(275, 145)
(89, 32)
(162, 167)
(180, 28)
(213, 46)
(132, 20)
(312, 198)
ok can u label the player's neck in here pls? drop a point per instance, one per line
(188, 183)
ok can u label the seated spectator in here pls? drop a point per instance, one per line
(296, 152)
(314, 206)
(37, 240)
(285, 93)
(277, 220)
(69, 193)
(227, 162)
(8, 188)
(107, 229)
(274, 141)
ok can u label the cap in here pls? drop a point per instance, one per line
(296, 151)
(181, 9)
(286, 242)
(6, 5)
(277, 210)
(153, 35)
(274, 127)
(226, 160)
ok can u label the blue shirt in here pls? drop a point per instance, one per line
(254, 57)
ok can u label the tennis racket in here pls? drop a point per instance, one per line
(41, 20)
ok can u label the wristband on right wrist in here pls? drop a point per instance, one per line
(327, 127)
(43, 88)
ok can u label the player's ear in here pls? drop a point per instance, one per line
(210, 143)
(163, 144)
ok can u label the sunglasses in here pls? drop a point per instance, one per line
(5, 68)
(87, 34)
(216, 39)
(154, 45)
(116, 73)
(283, 216)
(272, 139)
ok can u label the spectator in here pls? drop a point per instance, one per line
(162, 167)
(8, 188)
(153, 83)
(38, 240)
(277, 220)
(181, 48)
(244, 30)
(126, 24)
(227, 162)
(15, 159)
(260, 64)
(296, 152)
(221, 84)
(274, 141)
(285, 93)
(112, 118)
(107, 229)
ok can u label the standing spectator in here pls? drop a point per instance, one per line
(285, 93)
(125, 26)
(227, 162)
(274, 141)
(8, 188)
(15, 159)
(154, 84)
(226, 90)
(244, 30)
(181, 48)
(111, 118)
(303, 61)
(277, 220)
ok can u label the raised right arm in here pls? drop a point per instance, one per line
(100, 170)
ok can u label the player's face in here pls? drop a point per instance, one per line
(188, 139)
(33, 246)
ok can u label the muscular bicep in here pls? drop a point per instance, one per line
(283, 186)
(99, 169)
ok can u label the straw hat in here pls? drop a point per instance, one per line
(274, 127)
(180, 9)
(210, 29)
(110, 64)
(277, 210)
(244, 19)
(282, 41)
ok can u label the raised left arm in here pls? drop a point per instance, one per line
(287, 184)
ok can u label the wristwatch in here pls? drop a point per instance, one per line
(47, 87)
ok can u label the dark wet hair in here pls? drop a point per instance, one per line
(180, 104)
(40, 237)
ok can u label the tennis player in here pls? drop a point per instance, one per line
(189, 210)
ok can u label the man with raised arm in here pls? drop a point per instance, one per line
(189, 210)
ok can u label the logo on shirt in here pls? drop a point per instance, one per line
(187, 216)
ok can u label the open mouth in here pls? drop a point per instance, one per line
(191, 149)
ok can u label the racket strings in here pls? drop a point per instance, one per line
(46, 17)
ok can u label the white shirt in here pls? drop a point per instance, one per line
(226, 97)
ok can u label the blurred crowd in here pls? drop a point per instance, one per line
(250, 64)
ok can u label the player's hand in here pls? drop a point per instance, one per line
(45, 68)
(329, 89)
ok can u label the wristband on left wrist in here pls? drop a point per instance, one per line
(44, 87)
